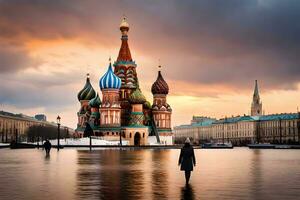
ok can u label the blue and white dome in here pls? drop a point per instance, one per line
(109, 80)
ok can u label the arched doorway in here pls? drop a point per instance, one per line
(137, 139)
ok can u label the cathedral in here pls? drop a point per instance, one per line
(123, 113)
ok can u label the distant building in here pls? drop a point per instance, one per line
(241, 130)
(14, 126)
(277, 128)
(200, 119)
(40, 117)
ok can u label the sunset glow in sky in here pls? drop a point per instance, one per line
(211, 52)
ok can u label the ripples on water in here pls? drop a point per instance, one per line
(149, 174)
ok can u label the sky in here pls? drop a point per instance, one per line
(211, 52)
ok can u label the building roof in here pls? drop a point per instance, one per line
(109, 80)
(282, 116)
(160, 86)
(87, 92)
(256, 92)
(124, 53)
(137, 97)
(95, 102)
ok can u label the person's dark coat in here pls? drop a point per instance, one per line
(187, 158)
(47, 145)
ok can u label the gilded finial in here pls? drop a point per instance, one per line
(159, 65)
(124, 26)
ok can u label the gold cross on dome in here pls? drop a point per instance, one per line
(159, 66)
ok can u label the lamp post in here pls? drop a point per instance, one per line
(120, 138)
(58, 131)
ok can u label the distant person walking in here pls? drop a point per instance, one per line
(187, 159)
(47, 146)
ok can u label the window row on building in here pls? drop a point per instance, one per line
(278, 128)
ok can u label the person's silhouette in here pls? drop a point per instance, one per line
(187, 159)
(47, 146)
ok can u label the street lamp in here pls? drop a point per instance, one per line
(58, 131)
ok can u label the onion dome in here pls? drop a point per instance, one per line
(88, 92)
(109, 80)
(147, 105)
(95, 102)
(137, 97)
(160, 86)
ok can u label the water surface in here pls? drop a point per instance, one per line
(240, 173)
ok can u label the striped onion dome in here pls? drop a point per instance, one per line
(95, 102)
(160, 86)
(109, 80)
(88, 92)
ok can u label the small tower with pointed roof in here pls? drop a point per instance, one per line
(84, 96)
(161, 110)
(256, 106)
(125, 69)
(137, 99)
(95, 114)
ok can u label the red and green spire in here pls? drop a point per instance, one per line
(124, 53)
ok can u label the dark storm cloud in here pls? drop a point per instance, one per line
(207, 42)
(234, 42)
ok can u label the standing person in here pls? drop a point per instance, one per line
(187, 159)
(47, 146)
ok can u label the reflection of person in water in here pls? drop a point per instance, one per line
(187, 159)
(187, 193)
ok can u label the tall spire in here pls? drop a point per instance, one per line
(256, 93)
(256, 106)
(124, 53)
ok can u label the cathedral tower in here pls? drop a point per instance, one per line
(256, 106)
(137, 99)
(125, 69)
(84, 96)
(110, 110)
(161, 110)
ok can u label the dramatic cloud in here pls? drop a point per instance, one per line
(208, 48)
(13, 58)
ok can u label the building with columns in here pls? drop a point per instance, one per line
(123, 113)
(13, 127)
(283, 128)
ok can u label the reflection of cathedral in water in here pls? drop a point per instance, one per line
(124, 113)
(109, 174)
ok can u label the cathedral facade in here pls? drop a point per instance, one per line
(124, 113)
